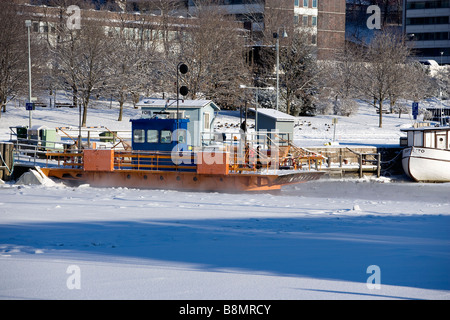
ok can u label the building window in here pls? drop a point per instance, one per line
(427, 20)
(166, 136)
(296, 3)
(139, 136)
(305, 3)
(152, 136)
(305, 21)
(296, 19)
(314, 3)
(428, 4)
(431, 36)
(313, 39)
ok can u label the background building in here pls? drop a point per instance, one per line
(323, 19)
(330, 27)
(427, 24)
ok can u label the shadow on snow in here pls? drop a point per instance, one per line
(411, 251)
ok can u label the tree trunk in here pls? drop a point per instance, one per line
(121, 101)
(74, 97)
(392, 102)
(85, 106)
(2, 106)
(380, 122)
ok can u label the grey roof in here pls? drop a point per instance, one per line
(172, 103)
(275, 114)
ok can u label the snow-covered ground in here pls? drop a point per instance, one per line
(329, 239)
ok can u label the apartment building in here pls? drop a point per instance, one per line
(330, 27)
(305, 16)
(149, 30)
(426, 23)
(323, 19)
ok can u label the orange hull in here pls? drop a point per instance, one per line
(151, 179)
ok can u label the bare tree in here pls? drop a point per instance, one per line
(339, 76)
(213, 48)
(133, 59)
(443, 81)
(300, 74)
(81, 57)
(13, 54)
(380, 68)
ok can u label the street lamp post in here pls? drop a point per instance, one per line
(442, 53)
(28, 25)
(277, 48)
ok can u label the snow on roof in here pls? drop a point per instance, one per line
(426, 128)
(172, 103)
(275, 114)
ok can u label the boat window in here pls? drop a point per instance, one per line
(429, 140)
(152, 136)
(441, 140)
(418, 139)
(410, 138)
(166, 136)
(139, 135)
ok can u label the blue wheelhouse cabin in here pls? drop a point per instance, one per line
(159, 136)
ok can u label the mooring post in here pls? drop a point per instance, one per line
(360, 165)
(379, 166)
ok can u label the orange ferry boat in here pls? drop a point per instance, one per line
(161, 158)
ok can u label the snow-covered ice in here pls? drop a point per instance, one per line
(310, 241)
(303, 243)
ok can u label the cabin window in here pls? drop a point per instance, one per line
(166, 136)
(152, 136)
(410, 138)
(181, 136)
(441, 140)
(206, 120)
(418, 139)
(139, 135)
(429, 140)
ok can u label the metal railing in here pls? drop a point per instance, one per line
(154, 160)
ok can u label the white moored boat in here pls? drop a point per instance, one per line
(427, 155)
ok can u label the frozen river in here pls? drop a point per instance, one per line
(318, 240)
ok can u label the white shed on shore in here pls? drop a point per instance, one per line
(271, 119)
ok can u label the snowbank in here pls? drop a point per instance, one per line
(35, 177)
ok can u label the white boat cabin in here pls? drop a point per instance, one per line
(429, 137)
